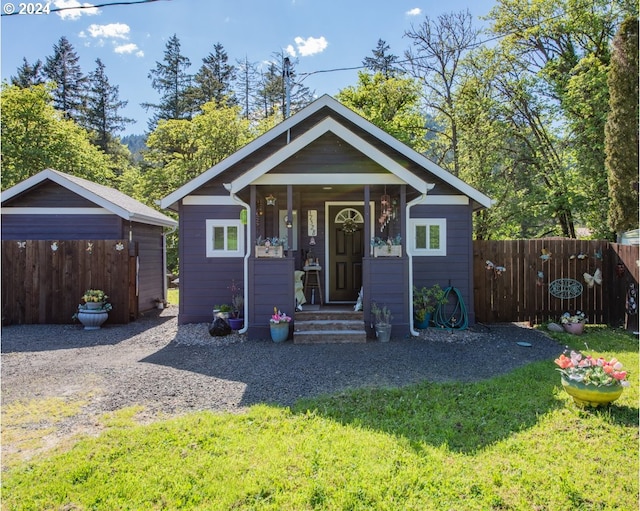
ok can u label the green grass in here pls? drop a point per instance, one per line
(515, 442)
(173, 296)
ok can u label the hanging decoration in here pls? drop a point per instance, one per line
(565, 289)
(349, 226)
(387, 210)
(22, 244)
(497, 270)
(54, 246)
(271, 200)
(545, 255)
(596, 278)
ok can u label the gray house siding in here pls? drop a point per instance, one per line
(456, 268)
(207, 279)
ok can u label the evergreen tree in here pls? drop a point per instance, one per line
(246, 85)
(171, 80)
(29, 75)
(101, 114)
(382, 61)
(621, 130)
(214, 80)
(63, 69)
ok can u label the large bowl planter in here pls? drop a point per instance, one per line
(92, 319)
(574, 328)
(279, 331)
(591, 395)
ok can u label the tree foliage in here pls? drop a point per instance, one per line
(621, 133)
(36, 136)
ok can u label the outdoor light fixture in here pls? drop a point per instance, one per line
(271, 200)
(288, 222)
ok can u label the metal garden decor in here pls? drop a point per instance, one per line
(565, 289)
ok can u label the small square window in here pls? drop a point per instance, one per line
(429, 236)
(225, 238)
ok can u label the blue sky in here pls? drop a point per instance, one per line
(321, 34)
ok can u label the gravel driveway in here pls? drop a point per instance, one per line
(171, 369)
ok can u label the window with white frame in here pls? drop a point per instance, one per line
(429, 236)
(225, 238)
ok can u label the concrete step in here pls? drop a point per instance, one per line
(329, 336)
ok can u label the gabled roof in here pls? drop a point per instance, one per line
(327, 101)
(110, 199)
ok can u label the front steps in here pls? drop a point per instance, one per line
(329, 326)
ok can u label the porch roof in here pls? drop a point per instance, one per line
(259, 174)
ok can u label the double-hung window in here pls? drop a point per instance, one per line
(225, 238)
(429, 236)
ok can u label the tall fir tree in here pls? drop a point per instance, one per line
(63, 68)
(382, 61)
(101, 115)
(171, 80)
(29, 74)
(214, 80)
(621, 129)
(246, 85)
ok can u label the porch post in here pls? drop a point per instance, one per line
(290, 217)
(403, 217)
(367, 219)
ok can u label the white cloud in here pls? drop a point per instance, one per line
(416, 11)
(70, 12)
(115, 30)
(291, 51)
(128, 49)
(310, 45)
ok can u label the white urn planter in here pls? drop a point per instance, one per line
(92, 319)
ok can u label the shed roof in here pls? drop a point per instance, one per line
(477, 197)
(112, 200)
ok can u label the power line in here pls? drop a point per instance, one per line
(86, 6)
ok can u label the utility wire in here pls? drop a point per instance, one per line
(88, 6)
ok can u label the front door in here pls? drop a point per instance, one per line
(346, 249)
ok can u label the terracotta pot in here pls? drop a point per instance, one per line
(574, 328)
(591, 395)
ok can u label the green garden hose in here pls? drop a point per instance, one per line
(458, 318)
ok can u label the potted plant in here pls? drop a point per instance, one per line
(382, 322)
(391, 247)
(222, 311)
(591, 381)
(425, 302)
(270, 247)
(94, 309)
(573, 323)
(279, 325)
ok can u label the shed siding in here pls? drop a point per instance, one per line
(61, 227)
(49, 195)
(151, 272)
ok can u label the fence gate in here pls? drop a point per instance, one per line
(43, 281)
(537, 280)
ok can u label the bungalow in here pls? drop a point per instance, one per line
(328, 182)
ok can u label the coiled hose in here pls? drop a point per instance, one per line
(458, 318)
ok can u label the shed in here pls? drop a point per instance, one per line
(78, 218)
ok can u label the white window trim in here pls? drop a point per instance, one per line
(210, 224)
(427, 222)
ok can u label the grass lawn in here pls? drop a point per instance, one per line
(173, 296)
(515, 442)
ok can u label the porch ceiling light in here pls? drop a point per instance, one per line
(271, 200)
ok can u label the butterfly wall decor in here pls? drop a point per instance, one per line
(596, 278)
(545, 255)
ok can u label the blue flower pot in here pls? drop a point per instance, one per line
(421, 325)
(279, 331)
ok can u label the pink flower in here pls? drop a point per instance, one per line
(620, 375)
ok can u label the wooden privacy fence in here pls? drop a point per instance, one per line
(543, 278)
(43, 281)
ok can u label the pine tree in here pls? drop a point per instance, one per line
(246, 85)
(63, 69)
(101, 114)
(171, 80)
(214, 80)
(382, 61)
(28, 75)
(621, 129)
